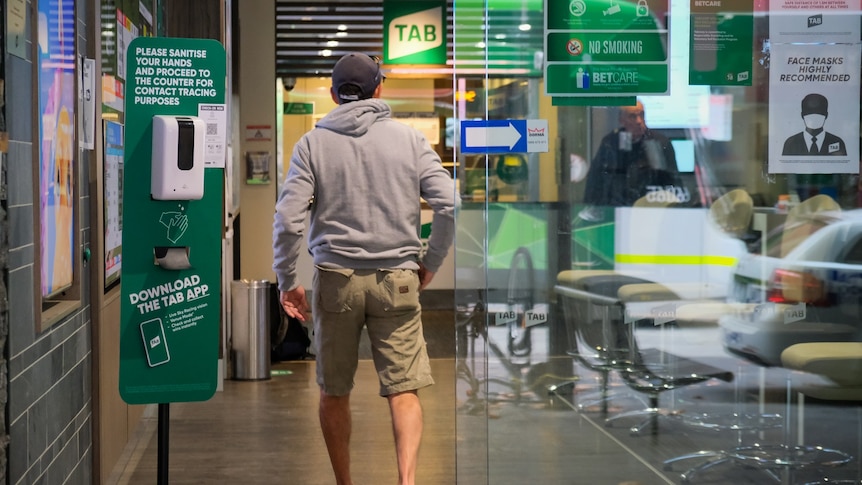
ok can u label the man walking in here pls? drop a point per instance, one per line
(361, 175)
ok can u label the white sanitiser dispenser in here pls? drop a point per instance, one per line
(178, 158)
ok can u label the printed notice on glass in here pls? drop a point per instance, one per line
(814, 86)
(16, 28)
(215, 116)
(720, 50)
(88, 103)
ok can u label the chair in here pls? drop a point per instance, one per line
(839, 363)
(732, 212)
(590, 342)
(607, 344)
(839, 366)
(653, 371)
(804, 219)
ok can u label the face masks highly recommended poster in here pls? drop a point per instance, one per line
(814, 86)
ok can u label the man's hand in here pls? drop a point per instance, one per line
(425, 276)
(294, 303)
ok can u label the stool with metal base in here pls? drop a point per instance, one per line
(839, 364)
(737, 422)
(778, 461)
(653, 372)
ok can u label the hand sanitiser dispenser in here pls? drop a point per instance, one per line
(178, 158)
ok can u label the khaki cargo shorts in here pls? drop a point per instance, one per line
(386, 302)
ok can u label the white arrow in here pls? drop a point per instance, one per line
(492, 136)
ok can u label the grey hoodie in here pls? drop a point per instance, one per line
(361, 174)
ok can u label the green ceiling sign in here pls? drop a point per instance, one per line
(606, 46)
(608, 79)
(600, 48)
(414, 32)
(298, 108)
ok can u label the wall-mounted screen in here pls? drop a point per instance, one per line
(684, 151)
(113, 188)
(57, 173)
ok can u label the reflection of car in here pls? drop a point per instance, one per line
(806, 287)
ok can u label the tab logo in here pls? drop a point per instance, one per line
(416, 32)
(815, 20)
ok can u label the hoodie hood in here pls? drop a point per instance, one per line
(355, 118)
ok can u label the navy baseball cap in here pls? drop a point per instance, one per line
(360, 70)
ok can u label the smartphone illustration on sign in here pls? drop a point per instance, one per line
(155, 345)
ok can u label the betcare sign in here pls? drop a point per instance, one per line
(414, 32)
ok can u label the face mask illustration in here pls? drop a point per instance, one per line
(814, 121)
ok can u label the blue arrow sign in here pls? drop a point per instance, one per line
(494, 136)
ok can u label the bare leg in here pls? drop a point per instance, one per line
(406, 413)
(335, 422)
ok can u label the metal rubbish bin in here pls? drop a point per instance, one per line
(250, 327)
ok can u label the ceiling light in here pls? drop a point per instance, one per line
(331, 43)
(326, 53)
(524, 27)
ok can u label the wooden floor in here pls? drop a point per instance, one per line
(266, 432)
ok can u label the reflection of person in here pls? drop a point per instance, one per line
(630, 162)
(361, 175)
(814, 140)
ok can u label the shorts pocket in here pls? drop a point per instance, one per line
(333, 288)
(402, 289)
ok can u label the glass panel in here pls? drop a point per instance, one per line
(671, 290)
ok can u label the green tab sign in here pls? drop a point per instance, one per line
(414, 32)
(603, 48)
(172, 208)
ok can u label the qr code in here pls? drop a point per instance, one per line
(212, 128)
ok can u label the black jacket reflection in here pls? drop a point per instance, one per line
(618, 177)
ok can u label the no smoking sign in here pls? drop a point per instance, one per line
(575, 47)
